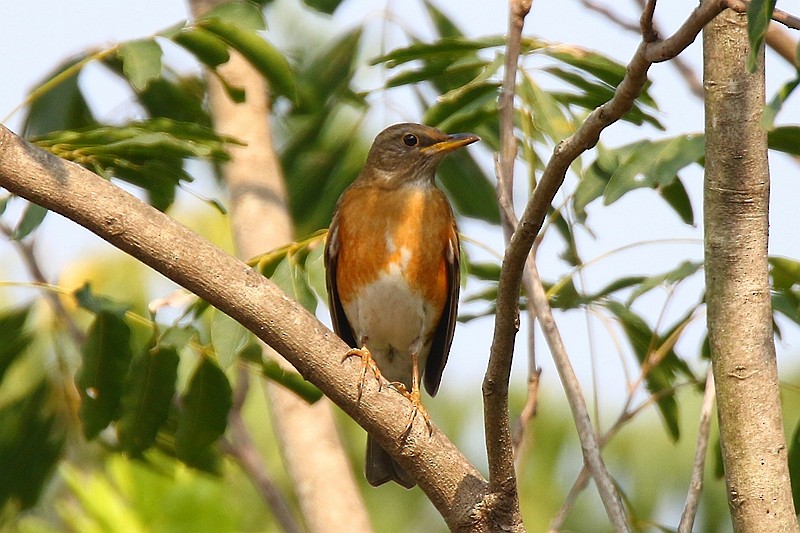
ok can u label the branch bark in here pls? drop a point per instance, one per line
(736, 220)
(310, 445)
(452, 484)
(686, 524)
(650, 50)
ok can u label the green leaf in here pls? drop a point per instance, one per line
(759, 13)
(677, 197)
(149, 153)
(659, 377)
(204, 45)
(794, 465)
(315, 270)
(328, 75)
(262, 55)
(484, 271)
(468, 187)
(293, 280)
(591, 186)
(106, 356)
(246, 15)
(31, 443)
(785, 273)
(548, 116)
(473, 97)
(450, 49)
(228, 338)
(289, 379)
(97, 304)
(785, 139)
(785, 283)
(652, 163)
(776, 104)
(204, 416)
(445, 27)
(32, 217)
(141, 62)
(147, 399)
(14, 340)
(679, 273)
(323, 6)
(177, 337)
(60, 107)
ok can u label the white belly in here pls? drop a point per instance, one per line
(393, 322)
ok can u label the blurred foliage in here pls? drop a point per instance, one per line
(144, 392)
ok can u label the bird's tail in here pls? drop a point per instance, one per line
(380, 467)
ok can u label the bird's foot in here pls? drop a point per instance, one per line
(367, 362)
(415, 396)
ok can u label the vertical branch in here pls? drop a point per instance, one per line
(696, 485)
(518, 10)
(499, 447)
(736, 220)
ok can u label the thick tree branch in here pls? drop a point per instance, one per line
(453, 485)
(738, 300)
(650, 51)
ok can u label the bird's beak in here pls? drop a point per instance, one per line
(452, 142)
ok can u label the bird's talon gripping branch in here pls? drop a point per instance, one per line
(415, 396)
(367, 362)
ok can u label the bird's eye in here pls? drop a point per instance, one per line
(410, 140)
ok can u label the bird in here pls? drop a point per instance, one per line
(392, 262)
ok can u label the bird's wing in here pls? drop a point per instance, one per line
(443, 336)
(340, 324)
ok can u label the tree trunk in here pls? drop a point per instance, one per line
(315, 460)
(736, 213)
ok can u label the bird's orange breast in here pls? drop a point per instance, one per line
(384, 229)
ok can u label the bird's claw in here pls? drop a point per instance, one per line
(367, 361)
(416, 407)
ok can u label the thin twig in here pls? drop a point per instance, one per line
(787, 19)
(583, 478)
(698, 468)
(28, 255)
(610, 15)
(684, 69)
(241, 448)
(589, 445)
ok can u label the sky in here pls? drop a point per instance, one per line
(40, 35)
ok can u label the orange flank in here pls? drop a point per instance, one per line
(404, 224)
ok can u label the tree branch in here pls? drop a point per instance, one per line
(517, 252)
(499, 442)
(310, 447)
(452, 484)
(787, 19)
(738, 301)
(696, 485)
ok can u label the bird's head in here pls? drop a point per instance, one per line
(409, 153)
